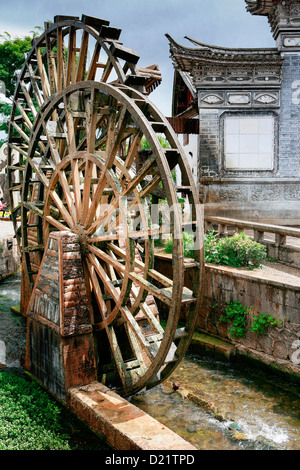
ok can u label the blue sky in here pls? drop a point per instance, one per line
(144, 24)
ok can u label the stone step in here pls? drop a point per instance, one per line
(210, 346)
(125, 426)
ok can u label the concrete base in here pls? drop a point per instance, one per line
(207, 345)
(125, 426)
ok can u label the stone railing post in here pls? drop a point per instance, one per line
(258, 236)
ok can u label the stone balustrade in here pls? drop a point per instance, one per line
(283, 242)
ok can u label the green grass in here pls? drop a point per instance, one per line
(31, 419)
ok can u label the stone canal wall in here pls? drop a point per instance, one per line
(265, 291)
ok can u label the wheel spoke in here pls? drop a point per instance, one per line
(56, 223)
(87, 188)
(71, 63)
(92, 118)
(61, 64)
(165, 295)
(42, 71)
(49, 131)
(68, 195)
(157, 276)
(51, 66)
(59, 204)
(97, 291)
(82, 57)
(76, 188)
(70, 127)
(93, 65)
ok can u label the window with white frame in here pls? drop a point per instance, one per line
(249, 142)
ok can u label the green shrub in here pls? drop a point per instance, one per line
(188, 245)
(235, 313)
(236, 251)
(262, 321)
(211, 240)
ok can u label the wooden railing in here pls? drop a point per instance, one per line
(259, 229)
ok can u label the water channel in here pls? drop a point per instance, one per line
(244, 408)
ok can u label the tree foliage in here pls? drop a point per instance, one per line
(12, 58)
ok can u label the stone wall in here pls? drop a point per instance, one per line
(253, 289)
(3, 180)
(273, 195)
(289, 137)
(272, 202)
(276, 345)
(288, 254)
(269, 196)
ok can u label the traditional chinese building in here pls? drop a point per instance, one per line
(243, 108)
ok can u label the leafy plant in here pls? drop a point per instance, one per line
(236, 251)
(163, 142)
(262, 321)
(12, 59)
(211, 240)
(12, 52)
(188, 244)
(235, 313)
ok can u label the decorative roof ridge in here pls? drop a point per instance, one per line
(222, 52)
(172, 41)
(232, 50)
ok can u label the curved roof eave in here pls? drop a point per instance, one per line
(201, 47)
(204, 52)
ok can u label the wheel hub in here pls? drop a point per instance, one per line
(80, 230)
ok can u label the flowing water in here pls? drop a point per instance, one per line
(241, 407)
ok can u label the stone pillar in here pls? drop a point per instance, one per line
(283, 17)
(60, 347)
(209, 142)
(289, 125)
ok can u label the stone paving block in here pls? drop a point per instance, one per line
(126, 427)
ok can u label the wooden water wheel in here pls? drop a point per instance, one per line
(75, 164)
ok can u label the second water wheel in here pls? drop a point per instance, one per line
(81, 170)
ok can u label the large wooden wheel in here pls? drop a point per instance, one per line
(84, 172)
